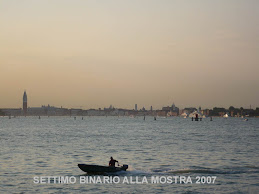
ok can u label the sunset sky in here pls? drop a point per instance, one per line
(90, 54)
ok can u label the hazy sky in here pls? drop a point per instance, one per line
(90, 54)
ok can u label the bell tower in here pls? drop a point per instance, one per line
(24, 103)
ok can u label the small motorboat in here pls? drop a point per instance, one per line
(101, 169)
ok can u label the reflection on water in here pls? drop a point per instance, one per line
(53, 146)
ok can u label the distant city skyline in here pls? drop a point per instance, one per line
(165, 111)
(25, 105)
(92, 54)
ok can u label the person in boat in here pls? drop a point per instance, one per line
(112, 162)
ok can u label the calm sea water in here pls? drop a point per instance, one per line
(53, 146)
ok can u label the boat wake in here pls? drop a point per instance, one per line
(194, 170)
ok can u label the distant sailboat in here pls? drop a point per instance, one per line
(226, 116)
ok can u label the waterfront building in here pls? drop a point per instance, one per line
(189, 110)
(171, 111)
(11, 111)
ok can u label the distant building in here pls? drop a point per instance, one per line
(161, 113)
(76, 112)
(173, 106)
(111, 108)
(24, 103)
(166, 108)
(151, 108)
(171, 111)
(11, 111)
(205, 112)
(136, 107)
(189, 110)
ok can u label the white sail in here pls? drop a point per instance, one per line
(226, 116)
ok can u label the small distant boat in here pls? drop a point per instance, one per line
(226, 116)
(101, 169)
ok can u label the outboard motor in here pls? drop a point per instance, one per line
(125, 167)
